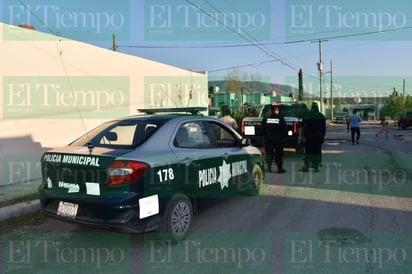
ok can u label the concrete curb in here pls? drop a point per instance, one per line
(16, 210)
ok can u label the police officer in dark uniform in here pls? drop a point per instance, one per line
(314, 129)
(275, 132)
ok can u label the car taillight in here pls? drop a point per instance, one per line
(122, 172)
(296, 127)
(243, 127)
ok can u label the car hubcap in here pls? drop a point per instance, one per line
(180, 218)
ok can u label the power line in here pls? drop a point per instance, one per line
(251, 40)
(252, 44)
(245, 65)
(347, 35)
(261, 45)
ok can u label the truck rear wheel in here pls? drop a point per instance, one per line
(403, 126)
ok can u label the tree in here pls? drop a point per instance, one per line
(255, 82)
(234, 80)
(397, 104)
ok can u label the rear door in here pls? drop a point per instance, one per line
(197, 161)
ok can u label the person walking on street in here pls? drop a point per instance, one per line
(275, 132)
(384, 128)
(347, 124)
(354, 124)
(314, 130)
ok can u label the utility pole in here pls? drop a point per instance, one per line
(320, 68)
(241, 99)
(300, 79)
(403, 87)
(404, 92)
(331, 91)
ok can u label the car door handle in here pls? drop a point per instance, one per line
(187, 161)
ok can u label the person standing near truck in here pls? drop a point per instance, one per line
(228, 119)
(314, 130)
(275, 129)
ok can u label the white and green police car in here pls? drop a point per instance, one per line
(148, 172)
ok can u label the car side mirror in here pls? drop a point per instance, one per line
(111, 136)
(245, 142)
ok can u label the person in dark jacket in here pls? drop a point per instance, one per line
(314, 130)
(275, 132)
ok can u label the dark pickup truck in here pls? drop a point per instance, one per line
(293, 113)
(405, 120)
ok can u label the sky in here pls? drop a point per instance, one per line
(365, 48)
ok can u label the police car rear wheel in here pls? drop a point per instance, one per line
(178, 217)
(257, 181)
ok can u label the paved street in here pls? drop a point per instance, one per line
(354, 216)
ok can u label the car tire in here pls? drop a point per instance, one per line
(178, 218)
(403, 126)
(257, 181)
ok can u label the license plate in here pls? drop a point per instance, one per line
(66, 209)
(249, 130)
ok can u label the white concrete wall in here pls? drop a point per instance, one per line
(54, 89)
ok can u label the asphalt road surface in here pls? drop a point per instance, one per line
(354, 216)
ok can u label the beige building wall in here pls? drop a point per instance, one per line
(54, 89)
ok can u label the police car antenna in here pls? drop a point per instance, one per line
(71, 90)
(60, 52)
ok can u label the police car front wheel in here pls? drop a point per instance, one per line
(257, 181)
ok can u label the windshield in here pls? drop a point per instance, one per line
(288, 110)
(118, 134)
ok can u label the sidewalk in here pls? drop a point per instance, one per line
(17, 210)
(17, 190)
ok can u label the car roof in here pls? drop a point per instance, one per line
(158, 117)
(181, 110)
(154, 117)
(163, 119)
